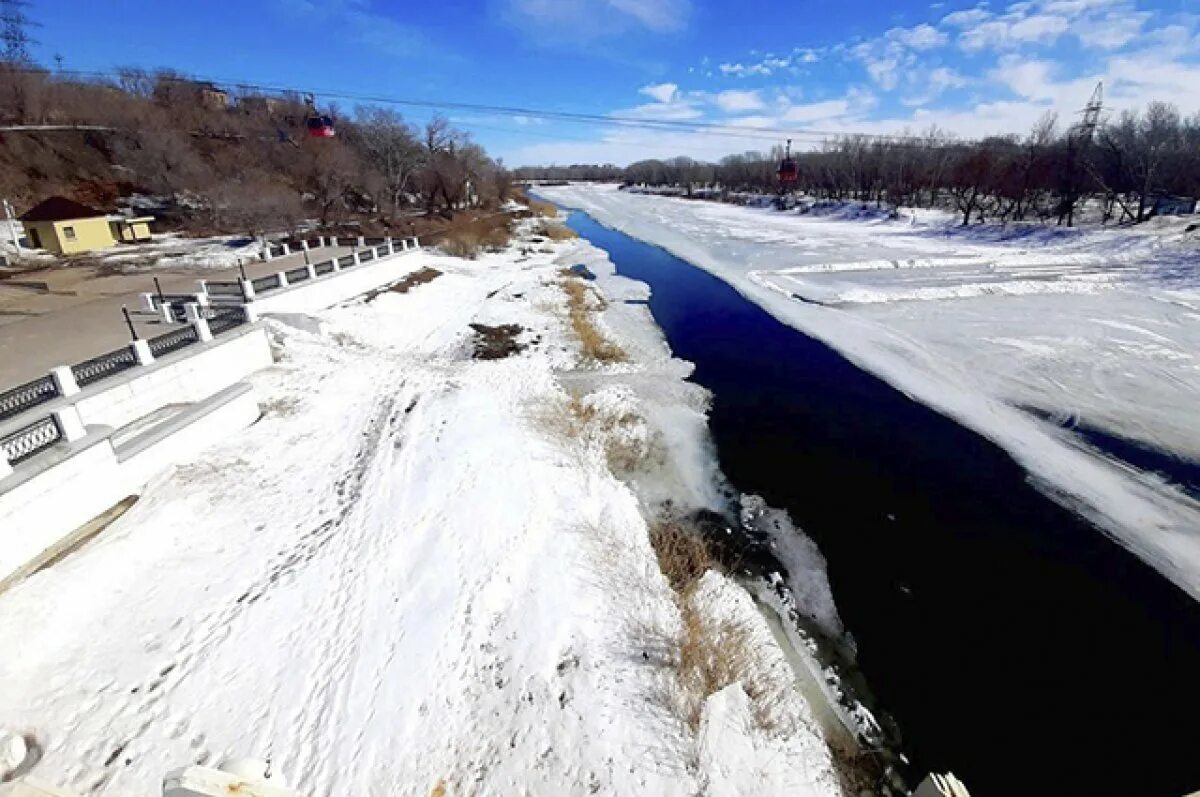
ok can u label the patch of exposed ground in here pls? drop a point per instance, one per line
(414, 279)
(498, 342)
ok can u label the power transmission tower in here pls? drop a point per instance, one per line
(1086, 129)
(14, 32)
(1079, 139)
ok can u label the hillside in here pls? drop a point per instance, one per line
(206, 158)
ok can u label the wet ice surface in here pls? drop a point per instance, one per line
(1100, 327)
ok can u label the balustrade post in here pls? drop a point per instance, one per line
(391, 247)
(64, 380)
(287, 250)
(357, 259)
(312, 271)
(147, 300)
(141, 352)
(5, 468)
(164, 312)
(283, 280)
(69, 423)
(198, 321)
(250, 313)
(247, 290)
(362, 241)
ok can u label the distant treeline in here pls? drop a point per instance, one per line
(226, 158)
(1127, 163)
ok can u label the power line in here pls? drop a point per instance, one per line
(724, 130)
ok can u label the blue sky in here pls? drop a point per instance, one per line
(828, 65)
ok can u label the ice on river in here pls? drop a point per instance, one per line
(985, 324)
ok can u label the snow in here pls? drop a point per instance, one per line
(984, 324)
(406, 574)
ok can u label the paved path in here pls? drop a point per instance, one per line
(80, 316)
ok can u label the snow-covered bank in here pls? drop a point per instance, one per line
(1099, 325)
(416, 569)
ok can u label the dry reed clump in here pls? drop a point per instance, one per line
(555, 231)
(539, 208)
(621, 434)
(707, 654)
(595, 346)
(470, 241)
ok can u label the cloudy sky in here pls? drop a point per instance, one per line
(800, 65)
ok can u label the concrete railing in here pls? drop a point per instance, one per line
(218, 292)
(24, 431)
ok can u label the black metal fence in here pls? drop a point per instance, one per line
(224, 289)
(22, 397)
(104, 366)
(296, 275)
(173, 341)
(30, 439)
(323, 268)
(346, 261)
(225, 318)
(267, 283)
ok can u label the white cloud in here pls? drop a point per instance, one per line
(922, 37)
(967, 18)
(1011, 32)
(663, 92)
(734, 101)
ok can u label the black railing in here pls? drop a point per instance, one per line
(346, 261)
(173, 341)
(223, 288)
(15, 401)
(366, 255)
(29, 440)
(323, 268)
(296, 275)
(104, 366)
(276, 251)
(267, 283)
(224, 319)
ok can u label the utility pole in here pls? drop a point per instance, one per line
(12, 227)
(14, 32)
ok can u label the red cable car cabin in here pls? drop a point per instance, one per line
(320, 126)
(788, 171)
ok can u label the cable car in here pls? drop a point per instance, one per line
(319, 125)
(789, 172)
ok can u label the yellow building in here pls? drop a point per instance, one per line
(66, 227)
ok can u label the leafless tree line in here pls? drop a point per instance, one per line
(240, 161)
(1123, 167)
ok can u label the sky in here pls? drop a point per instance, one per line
(763, 67)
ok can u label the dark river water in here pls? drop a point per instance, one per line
(1013, 642)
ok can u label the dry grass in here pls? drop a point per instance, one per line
(707, 654)
(555, 231)
(469, 237)
(595, 346)
(540, 208)
(683, 555)
(625, 450)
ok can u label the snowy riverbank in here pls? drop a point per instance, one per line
(1099, 326)
(420, 568)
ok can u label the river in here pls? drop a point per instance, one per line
(1012, 641)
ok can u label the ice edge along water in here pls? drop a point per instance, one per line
(762, 254)
(404, 576)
